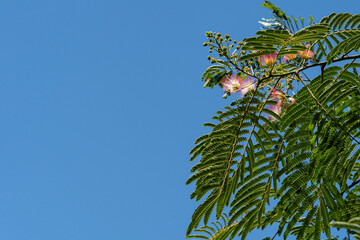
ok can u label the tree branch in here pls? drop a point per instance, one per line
(326, 112)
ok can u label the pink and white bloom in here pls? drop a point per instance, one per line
(276, 109)
(282, 103)
(232, 83)
(289, 57)
(307, 54)
(268, 60)
(277, 94)
(247, 86)
(235, 84)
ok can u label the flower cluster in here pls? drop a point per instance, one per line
(234, 83)
(307, 54)
(270, 59)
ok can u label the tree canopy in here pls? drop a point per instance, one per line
(286, 150)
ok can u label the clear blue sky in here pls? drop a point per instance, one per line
(100, 103)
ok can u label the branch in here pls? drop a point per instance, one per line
(314, 65)
(252, 130)
(274, 236)
(351, 185)
(237, 138)
(354, 184)
(326, 112)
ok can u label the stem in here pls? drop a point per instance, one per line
(326, 112)
(236, 139)
(352, 185)
(252, 130)
(274, 236)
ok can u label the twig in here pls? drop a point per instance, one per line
(326, 112)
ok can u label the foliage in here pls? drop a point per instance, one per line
(353, 226)
(286, 151)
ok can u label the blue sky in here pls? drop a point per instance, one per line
(100, 103)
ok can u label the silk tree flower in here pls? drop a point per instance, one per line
(248, 85)
(292, 100)
(286, 103)
(289, 57)
(235, 84)
(307, 54)
(277, 94)
(232, 83)
(268, 60)
(276, 109)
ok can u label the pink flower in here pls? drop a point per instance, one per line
(234, 84)
(289, 57)
(277, 94)
(307, 54)
(276, 109)
(248, 85)
(268, 60)
(282, 103)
